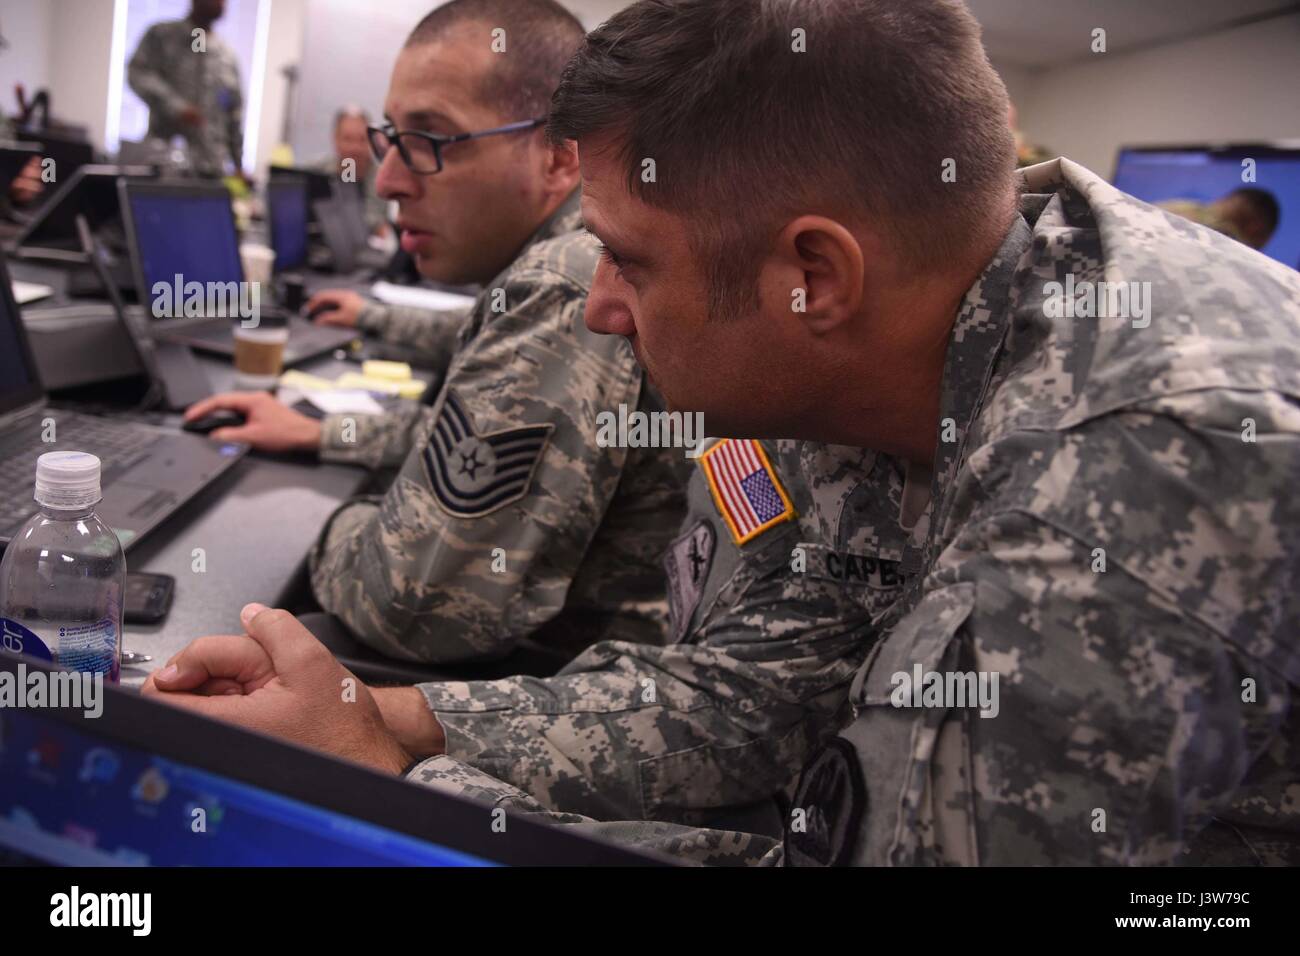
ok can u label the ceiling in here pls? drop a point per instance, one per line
(1047, 33)
(1043, 33)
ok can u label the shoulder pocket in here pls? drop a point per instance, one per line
(912, 749)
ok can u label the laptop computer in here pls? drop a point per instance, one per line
(185, 233)
(286, 215)
(176, 378)
(148, 471)
(87, 791)
(91, 191)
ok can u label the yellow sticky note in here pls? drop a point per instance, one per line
(389, 371)
(304, 382)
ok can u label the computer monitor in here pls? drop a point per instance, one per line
(69, 153)
(14, 156)
(1205, 173)
(286, 214)
(127, 786)
(180, 229)
(20, 383)
(91, 192)
(320, 184)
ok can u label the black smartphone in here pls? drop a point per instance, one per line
(148, 597)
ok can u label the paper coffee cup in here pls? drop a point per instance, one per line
(259, 356)
(259, 262)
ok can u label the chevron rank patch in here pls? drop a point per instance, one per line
(473, 475)
(745, 488)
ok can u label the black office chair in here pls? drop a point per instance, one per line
(529, 658)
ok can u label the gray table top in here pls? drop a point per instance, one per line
(255, 524)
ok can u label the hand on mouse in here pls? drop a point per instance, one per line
(268, 426)
(338, 307)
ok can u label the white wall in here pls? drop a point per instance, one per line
(348, 51)
(284, 45)
(1241, 84)
(79, 62)
(27, 26)
(349, 47)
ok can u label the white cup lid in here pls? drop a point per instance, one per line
(67, 479)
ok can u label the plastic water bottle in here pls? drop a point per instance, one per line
(63, 576)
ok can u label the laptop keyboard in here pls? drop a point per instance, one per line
(118, 445)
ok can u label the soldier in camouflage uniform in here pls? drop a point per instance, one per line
(506, 519)
(1099, 516)
(1159, 690)
(191, 85)
(672, 733)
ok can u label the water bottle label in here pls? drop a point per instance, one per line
(90, 647)
(19, 640)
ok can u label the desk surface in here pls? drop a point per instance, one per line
(255, 525)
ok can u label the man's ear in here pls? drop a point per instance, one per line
(827, 261)
(562, 171)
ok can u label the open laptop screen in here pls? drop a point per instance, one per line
(1204, 174)
(185, 231)
(111, 776)
(286, 200)
(19, 384)
(71, 798)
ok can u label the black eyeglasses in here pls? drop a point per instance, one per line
(421, 151)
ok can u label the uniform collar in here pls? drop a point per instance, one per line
(973, 346)
(567, 217)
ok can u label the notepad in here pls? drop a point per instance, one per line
(25, 292)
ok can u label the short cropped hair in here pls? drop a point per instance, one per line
(1263, 204)
(758, 110)
(540, 37)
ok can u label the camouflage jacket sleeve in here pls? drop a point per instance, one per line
(765, 640)
(435, 334)
(147, 81)
(1143, 681)
(682, 843)
(477, 540)
(376, 441)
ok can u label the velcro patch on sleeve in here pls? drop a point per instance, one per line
(472, 475)
(687, 565)
(745, 488)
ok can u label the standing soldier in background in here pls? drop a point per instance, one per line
(189, 79)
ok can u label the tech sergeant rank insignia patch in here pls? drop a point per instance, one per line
(473, 475)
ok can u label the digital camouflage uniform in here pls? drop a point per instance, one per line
(1145, 710)
(755, 673)
(507, 519)
(169, 74)
(433, 333)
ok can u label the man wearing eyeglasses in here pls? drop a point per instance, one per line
(507, 519)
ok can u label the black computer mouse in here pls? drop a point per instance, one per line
(221, 418)
(321, 310)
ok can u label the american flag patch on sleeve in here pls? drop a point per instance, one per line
(745, 488)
